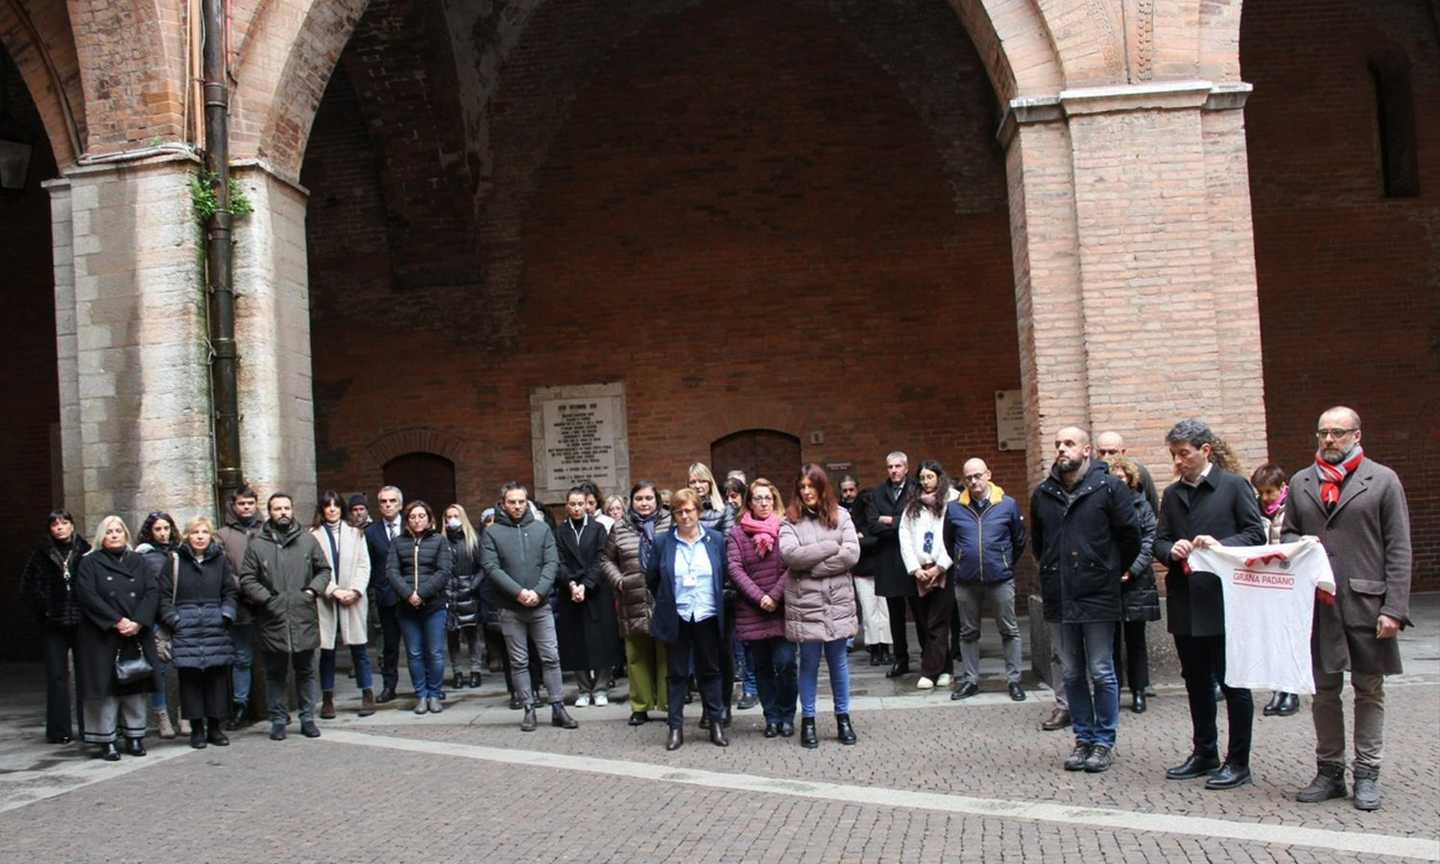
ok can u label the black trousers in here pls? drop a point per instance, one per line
(59, 644)
(1202, 662)
(899, 638)
(390, 647)
(727, 653)
(700, 641)
(204, 693)
(932, 619)
(1132, 665)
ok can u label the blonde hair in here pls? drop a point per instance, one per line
(613, 499)
(699, 471)
(197, 522)
(103, 527)
(472, 540)
(777, 507)
(1127, 467)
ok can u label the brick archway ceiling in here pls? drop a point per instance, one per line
(420, 439)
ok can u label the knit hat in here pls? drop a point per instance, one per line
(357, 500)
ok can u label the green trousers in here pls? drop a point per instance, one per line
(645, 667)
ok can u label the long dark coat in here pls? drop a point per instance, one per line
(884, 561)
(279, 566)
(1367, 537)
(109, 588)
(198, 604)
(589, 632)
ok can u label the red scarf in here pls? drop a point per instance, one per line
(763, 531)
(1333, 476)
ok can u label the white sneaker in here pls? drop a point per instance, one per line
(583, 700)
(925, 683)
(602, 698)
(944, 680)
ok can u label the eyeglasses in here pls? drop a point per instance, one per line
(1322, 434)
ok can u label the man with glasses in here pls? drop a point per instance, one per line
(1356, 506)
(377, 540)
(1109, 444)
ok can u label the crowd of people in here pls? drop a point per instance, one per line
(740, 583)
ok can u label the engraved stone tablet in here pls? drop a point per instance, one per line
(578, 433)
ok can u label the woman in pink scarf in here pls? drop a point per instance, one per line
(759, 576)
(1273, 489)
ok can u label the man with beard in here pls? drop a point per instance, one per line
(283, 572)
(1357, 508)
(1085, 535)
(234, 537)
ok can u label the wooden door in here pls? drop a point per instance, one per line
(423, 476)
(759, 453)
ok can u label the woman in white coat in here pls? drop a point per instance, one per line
(922, 548)
(343, 608)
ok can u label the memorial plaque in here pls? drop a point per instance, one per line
(1009, 420)
(578, 433)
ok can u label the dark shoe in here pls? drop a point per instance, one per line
(1195, 765)
(1329, 783)
(197, 734)
(440, 695)
(965, 691)
(1289, 704)
(1137, 702)
(772, 730)
(134, 747)
(725, 717)
(214, 735)
(474, 680)
(309, 729)
(747, 701)
(808, 739)
(239, 717)
(638, 718)
(108, 752)
(528, 722)
(1229, 776)
(560, 718)
(1017, 693)
(1076, 760)
(675, 740)
(387, 694)
(327, 705)
(874, 655)
(457, 681)
(515, 703)
(1058, 719)
(1275, 699)
(898, 668)
(1367, 788)
(1100, 759)
(787, 728)
(367, 702)
(885, 657)
(704, 719)
(277, 731)
(717, 736)
(844, 730)
(59, 739)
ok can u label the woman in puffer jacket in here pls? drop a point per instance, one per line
(1139, 599)
(759, 574)
(462, 599)
(419, 566)
(624, 562)
(197, 602)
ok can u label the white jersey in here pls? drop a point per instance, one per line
(1269, 608)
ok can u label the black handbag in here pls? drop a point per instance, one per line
(132, 670)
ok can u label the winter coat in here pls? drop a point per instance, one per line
(819, 596)
(1139, 599)
(720, 521)
(198, 600)
(621, 567)
(1367, 537)
(280, 566)
(1222, 505)
(660, 580)
(754, 577)
(926, 528)
(588, 631)
(859, 514)
(984, 545)
(517, 556)
(1083, 546)
(888, 568)
(377, 541)
(419, 565)
(48, 582)
(108, 588)
(462, 592)
(235, 537)
(351, 572)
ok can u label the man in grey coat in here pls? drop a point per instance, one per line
(520, 560)
(1357, 508)
(283, 571)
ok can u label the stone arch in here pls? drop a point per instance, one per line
(132, 68)
(41, 44)
(417, 439)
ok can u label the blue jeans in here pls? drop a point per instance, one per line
(772, 662)
(359, 657)
(837, 659)
(157, 696)
(424, 649)
(1089, 660)
(744, 667)
(242, 639)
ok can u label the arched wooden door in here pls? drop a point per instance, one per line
(759, 453)
(423, 476)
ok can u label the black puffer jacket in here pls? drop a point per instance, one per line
(419, 565)
(462, 592)
(48, 584)
(1083, 546)
(198, 603)
(1138, 596)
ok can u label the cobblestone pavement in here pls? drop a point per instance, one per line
(971, 781)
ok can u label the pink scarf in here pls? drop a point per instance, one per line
(763, 531)
(1277, 505)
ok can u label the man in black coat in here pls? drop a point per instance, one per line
(892, 580)
(1207, 506)
(377, 542)
(1084, 535)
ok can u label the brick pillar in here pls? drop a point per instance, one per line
(1135, 266)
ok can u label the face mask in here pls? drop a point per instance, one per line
(452, 524)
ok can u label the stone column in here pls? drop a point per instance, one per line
(1135, 265)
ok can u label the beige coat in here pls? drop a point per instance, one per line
(352, 571)
(819, 594)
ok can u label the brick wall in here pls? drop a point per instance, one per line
(1349, 280)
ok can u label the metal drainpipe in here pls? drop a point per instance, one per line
(221, 292)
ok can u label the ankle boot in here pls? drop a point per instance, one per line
(197, 734)
(808, 739)
(367, 702)
(213, 733)
(1289, 704)
(134, 746)
(1367, 787)
(528, 722)
(846, 732)
(474, 680)
(560, 718)
(327, 705)
(162, 723)
(1329, 783)
(1270, 707)
(108, 752)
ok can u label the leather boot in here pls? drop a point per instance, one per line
(387, 694)
(675, 740)
(1367, 787)
(108, 752)
(1289, 704)
(528, 722)
(474, 680)
(367, 702)
(213, 734)
(237, 720)
(327, 705)
(898, 669)
(197, 734)
(717, 735)
(808, 739)
(134, 746)
(1329, 783)
(1273, 704)
(457, 681)
(845, 731)
(560, 718)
